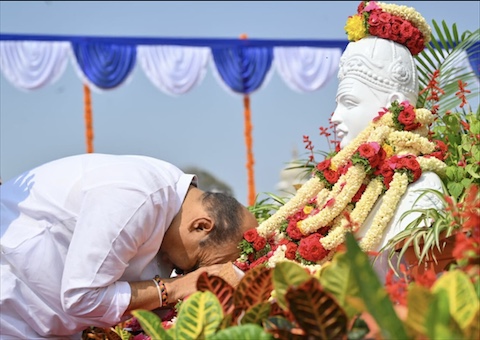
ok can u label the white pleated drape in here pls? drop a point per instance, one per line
(306, 69)
(30, 65)
(174, 70)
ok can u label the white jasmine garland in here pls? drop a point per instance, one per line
(322, 197)
(392, 197)
(432, 164)
(342, 193)
(346, 153)
(358, 215)
(379, 134)
(424, 116)
(306, 192)
(405, 139)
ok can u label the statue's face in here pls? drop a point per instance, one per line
(357, 105)
(373, 72)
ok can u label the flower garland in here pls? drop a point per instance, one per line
(388, 155)
(401, 24)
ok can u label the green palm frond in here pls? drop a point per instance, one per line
(445, 54)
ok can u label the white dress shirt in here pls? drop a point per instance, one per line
(73, 233)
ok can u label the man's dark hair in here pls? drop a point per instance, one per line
(227, 213)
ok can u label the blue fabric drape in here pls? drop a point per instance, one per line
(105, 65)
(474, 57)
(243, 69)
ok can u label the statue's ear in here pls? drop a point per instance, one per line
(396, 96)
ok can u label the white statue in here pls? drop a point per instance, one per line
(385, 162)
(374, 72)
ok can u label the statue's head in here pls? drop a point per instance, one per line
(378, 65)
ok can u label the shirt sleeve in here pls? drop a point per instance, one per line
(113, 224)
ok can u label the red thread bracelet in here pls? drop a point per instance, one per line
(162, 290)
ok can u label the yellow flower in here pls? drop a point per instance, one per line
(307, 209)
(388, 150)
(355, 28)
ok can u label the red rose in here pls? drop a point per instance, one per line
(366, 150)
(411, 127)
(437, 154)
(406, 29)
(386, 170)
(344, 168)
(359, 193)
(361, 7)
(259, 261)
(293, 232)
(395, 25)
(291, 251)
(382, 155)
(323, 165)
(259, 243)
(243, 266)
(250, 235)
(387, 180)
(373, 19)
(331, 176)
(374, 161)
(407, 116)
(385, 17)
(311, 249)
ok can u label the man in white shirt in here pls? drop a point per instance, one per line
(82, 238)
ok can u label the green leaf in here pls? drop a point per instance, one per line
(439, 323)
(243, 332)
(337, 278)
(373, 292)
(151, 324)
(455, 189)
(462, 298)
(199, 317)
(419, 300)
(257, 314)
(285, 275)
(316, 311)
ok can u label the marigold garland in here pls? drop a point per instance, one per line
(88, 118)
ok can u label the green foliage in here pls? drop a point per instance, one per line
(373, 293)
(461, 133)
(265, 207)
(199, 316)
(463, 302)
(242, 332)
(152, 325)
(286, 275)
(444, 54)
(315, 306)
(337, 278)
